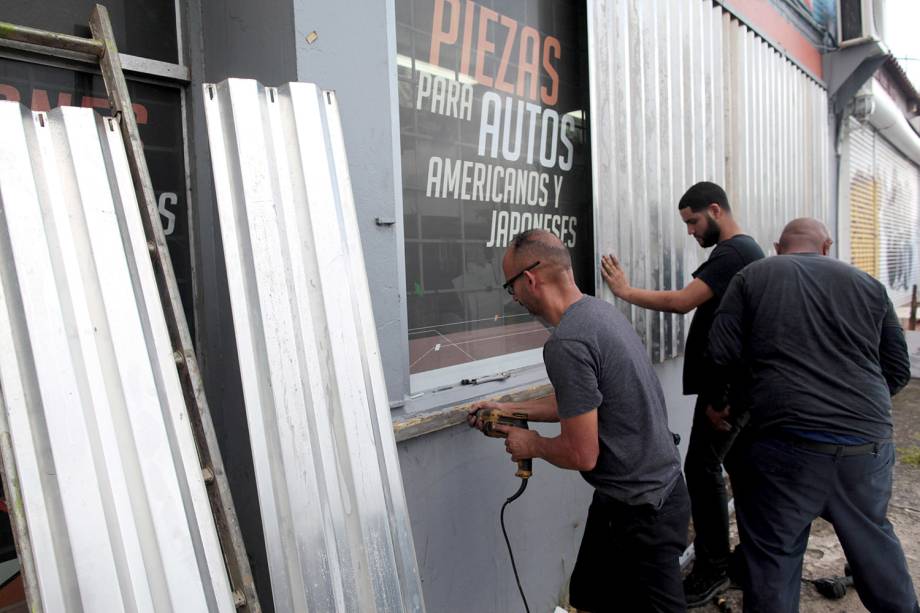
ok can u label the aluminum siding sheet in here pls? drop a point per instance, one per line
(113, 492)
(330, 491)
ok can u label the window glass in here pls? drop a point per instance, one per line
(146, 28)
(493, 102)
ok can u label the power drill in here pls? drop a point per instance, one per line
(493, 417)
(490, 419)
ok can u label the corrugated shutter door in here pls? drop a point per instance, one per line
(898, 199)
(864, 209)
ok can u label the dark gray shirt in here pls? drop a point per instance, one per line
(818, 343)
(595, 360)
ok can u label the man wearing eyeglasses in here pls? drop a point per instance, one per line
(705, 210)
(613, 428)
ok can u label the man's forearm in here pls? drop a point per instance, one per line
(537, 409)
(668, 301)
(561, 453)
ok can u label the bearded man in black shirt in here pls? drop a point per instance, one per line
(704, 208)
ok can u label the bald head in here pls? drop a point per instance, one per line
(804, 235)
(539, 245)
(538, 275)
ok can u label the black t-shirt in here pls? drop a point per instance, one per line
(725, 261)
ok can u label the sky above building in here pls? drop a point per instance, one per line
(901, 33)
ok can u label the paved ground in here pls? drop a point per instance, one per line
(824, 556)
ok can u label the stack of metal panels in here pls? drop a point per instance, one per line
(112, 489)
(330, 491)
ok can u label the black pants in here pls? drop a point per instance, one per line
(787, 487)
(629, 556)
(706, 453)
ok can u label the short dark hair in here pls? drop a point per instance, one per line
(539, 244)
(701, 195)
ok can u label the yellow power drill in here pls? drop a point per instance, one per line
(490, 419)
(493, 417)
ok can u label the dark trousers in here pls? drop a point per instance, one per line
(787, 487)
(629, 556)
(706, 453)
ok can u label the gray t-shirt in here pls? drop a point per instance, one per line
(595, 360)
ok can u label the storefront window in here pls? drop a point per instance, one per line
(144, 28)
(494, 129)
(159, 118)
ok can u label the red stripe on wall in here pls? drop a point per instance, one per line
(770, 22)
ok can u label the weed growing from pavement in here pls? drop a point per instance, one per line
(909, 455)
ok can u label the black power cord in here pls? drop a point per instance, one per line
(508, 543)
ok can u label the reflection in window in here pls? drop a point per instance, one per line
(493, 103)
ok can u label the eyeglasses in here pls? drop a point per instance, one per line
(509, 284)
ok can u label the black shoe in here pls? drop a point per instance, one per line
(737, 567)
(700, 587)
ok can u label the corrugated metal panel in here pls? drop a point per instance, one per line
(333, 508)
(113, 491)
(899, 182)
(681, 93)
(864, 209)
(884, 208)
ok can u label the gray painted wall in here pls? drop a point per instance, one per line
(251, 40)
(354, 53)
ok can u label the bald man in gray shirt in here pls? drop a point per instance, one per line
(614, 430)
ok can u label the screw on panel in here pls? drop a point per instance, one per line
(239, 600)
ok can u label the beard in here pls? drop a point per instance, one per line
(711, 235)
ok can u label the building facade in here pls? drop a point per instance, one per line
(466, 123)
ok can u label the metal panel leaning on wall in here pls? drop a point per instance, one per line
(330, 490)
(112, 487)
(682, 92)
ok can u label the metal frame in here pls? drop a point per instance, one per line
(102, 48)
